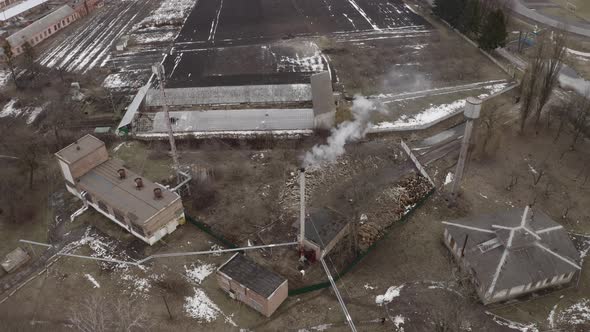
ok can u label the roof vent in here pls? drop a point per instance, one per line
(157, 193)
(122, 173)
(138, 183)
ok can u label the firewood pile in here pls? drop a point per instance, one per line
(392, 205)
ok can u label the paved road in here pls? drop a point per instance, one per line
(579, 28)
(568, 77)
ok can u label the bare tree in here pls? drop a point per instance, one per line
(29, 58)
(533, 77)
(581, 118)
(552, 59)
(97, 314)
(9, 58)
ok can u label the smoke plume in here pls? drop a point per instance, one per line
(347, 131)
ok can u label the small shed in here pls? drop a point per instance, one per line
(253, 284)
(15, 259)
(323, 230)
(512, 253)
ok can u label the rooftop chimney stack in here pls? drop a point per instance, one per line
(157, 193)
(122, 173)
(301, 206)
(138, 183)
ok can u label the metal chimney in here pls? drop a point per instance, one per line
(122, 173)
(301, 206)
(157, 193)
(138, 183)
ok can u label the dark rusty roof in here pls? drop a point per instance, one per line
(253, 276)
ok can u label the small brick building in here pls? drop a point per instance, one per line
(255, 285)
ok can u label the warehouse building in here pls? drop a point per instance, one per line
(234, 109)
(248, 282)
(145, 209)
(512, 253)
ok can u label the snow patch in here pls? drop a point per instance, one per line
(199, 272)
(92, 280)
(397, 321)
(170, 12)
(449, 178)
(200, 307)
(576, 314)
(513, 325)
(391, 293)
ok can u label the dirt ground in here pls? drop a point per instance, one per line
(247, 191)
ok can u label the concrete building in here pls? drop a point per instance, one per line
(147, 210)
(248, 108)
(248, 282)
(512, 253)
(50, 24)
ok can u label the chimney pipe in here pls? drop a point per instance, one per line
(301, 206)
(138, 183)
(157, 193)
(122, 173)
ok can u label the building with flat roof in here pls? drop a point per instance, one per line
(146, 209)
(511, 253)
(234, 109)
(253, 284)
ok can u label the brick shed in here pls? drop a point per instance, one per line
(255, 285)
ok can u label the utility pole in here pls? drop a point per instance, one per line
(158, 70)
(301, 208)
(471, 113)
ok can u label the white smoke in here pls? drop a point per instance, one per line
(347, 131)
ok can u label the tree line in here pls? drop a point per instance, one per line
(482, 20)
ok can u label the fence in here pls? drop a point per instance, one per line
(325, 284)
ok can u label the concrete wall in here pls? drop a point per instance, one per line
(236, 120)
(324, 107)
(277, 298)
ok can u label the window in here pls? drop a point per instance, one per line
(59, 25)
(103, 206)
(68, 20)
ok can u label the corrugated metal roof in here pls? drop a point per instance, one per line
(280, 93)
(19, 9)
(33, 29)
(233, 120)
(256, 277)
